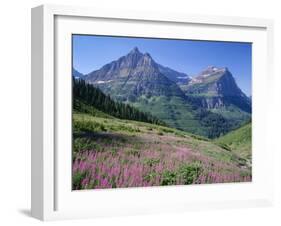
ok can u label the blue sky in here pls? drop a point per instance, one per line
(92, 52)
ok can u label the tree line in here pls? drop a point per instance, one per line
(93, 96)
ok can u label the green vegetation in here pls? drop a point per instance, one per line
(238, 141)
(177, 113)
(80, 106)
(215, 124)
(77, 180)
(233, 114)
(168, 177)
(190, 172)
(86, 94)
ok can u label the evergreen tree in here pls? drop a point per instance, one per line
(93, 96)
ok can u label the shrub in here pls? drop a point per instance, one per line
(77, 180)
(151, 162)
(167, 130)
(88, 126)
(245, 174)
(113, 151)
(82, 144)
(190, 172)
(133, 152)
(125, 128)
(149, 176)
(168, 178)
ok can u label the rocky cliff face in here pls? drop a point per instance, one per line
(133, 75)
(215, 88)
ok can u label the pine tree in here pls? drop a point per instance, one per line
(93, 96)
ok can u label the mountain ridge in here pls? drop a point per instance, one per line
(189, 104)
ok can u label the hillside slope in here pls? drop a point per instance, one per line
(110, 152)
(239, 141)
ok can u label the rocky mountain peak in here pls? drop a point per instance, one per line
(133, 75)
(134, 53)
(135, 50)
(147, 55)
(211, 70)
(147, 61)
(128, 61)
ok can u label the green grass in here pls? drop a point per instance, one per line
(238, 141)
(87, 123)
(80, 107)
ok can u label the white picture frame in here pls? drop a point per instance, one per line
(52, 197)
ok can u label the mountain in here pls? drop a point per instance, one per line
(218, 88)
(137, 80)
(214, 81)
(126, 66)
(215, 89)
(173, 97)
(76, 74)
(132, 76)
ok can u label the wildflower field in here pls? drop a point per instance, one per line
(115, 153)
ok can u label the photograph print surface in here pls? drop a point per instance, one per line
(158, 112)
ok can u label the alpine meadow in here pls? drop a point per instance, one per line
(158, 112)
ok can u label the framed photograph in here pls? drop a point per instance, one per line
(137, 112)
